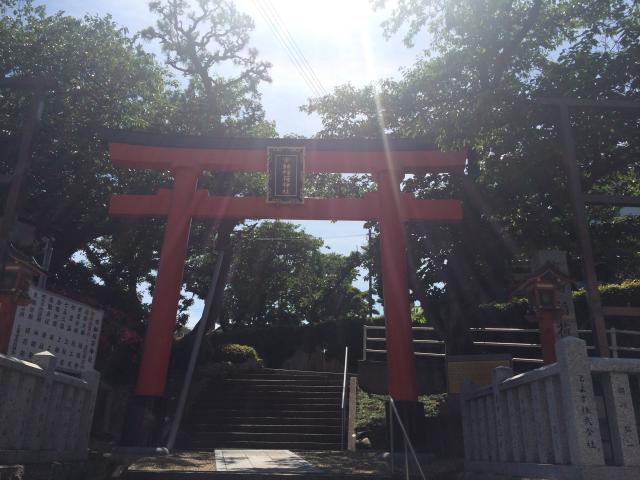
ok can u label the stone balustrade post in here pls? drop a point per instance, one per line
(48, 362)
(468, 429)
(499, 375)
(92, 377)
(578, 402)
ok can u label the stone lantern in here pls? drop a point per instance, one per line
(543, 290)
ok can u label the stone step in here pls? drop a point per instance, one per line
(214, 414)
(273, 401)
(263, 408)
(268, 445)
(268, 409)
(280, 382)
(231, 398)
(219, 438)
(273, 420)
(270, 393)
(270, 387)
(262, 428)
(285, 376)
(283, 371)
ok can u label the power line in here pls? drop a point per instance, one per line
(295, 46)
(273, 25)
(276, 31)
(270, 239)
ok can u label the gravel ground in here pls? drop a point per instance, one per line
(374, 463)
(177, 462)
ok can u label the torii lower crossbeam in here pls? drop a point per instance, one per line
(349, 209)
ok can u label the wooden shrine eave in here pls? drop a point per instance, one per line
(366, 208)
(164, 152)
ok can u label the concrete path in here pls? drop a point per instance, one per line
(262, 461)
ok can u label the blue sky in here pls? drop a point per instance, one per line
(342, 41)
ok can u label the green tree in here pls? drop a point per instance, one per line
(280, 276)
(201, 42)
(476, 87)
(102, 78)
(208, 43)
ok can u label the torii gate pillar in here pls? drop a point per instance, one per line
(166, 294)
(401, 366)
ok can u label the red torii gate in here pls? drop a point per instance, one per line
(187, 157)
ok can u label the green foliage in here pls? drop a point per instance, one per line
(417, 316)
(101, 78)
(280, 276)
(508, 314)
(624, 294)
(370, 411)
(512, 314)
(234, 353)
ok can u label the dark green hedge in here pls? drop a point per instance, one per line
(276, 344)
(625, 294)
(234, 353)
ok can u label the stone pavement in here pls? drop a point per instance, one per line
(249, 464)
(262, 461)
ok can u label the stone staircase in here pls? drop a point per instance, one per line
(270, 409)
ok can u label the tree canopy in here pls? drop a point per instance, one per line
(478, 88)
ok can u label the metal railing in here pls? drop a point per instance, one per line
(193, 359)
(435, 347)
(408, 446)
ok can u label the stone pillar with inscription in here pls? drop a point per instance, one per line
(566, 325)
(579, 403)
(622, 418)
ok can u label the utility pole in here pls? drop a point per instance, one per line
(370, 277)
(578, 199)
(38, 89)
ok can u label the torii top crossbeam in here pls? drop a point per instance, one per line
(397, 156)
(163, 152)
(187, 157)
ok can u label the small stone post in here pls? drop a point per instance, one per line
(353, 405)
(578, 401)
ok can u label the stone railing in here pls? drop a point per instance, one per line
(44, 415)
(574, 419)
